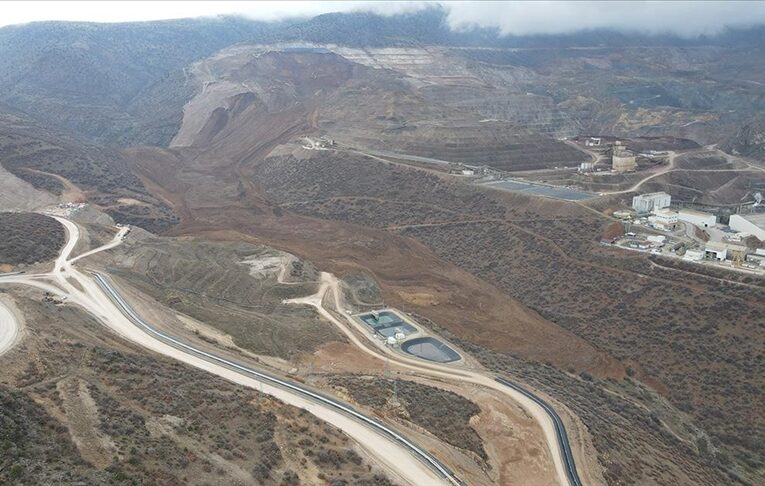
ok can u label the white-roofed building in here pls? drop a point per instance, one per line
(754, 224)
(716, 251)
(645, 203)
(698, 218)
(663, 219)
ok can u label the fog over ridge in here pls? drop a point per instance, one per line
(683, 18)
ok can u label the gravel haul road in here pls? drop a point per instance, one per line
(551, 424)
(404, 460)
(392, 451)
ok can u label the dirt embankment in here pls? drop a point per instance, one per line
(95, 408)
(538, 250)
(217, 187)
(411, 275)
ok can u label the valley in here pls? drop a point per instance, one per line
(85, 294)
(194, 260)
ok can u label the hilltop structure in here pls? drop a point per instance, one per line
(622, 159)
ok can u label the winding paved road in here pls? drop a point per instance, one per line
(550, 423)
(402, 459)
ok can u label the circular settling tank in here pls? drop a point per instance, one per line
(431, 349)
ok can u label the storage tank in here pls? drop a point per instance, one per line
(623, 163)
(622, 159)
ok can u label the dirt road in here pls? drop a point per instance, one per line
(115, 241)
(663, 170)
(67, 282)
(330, 289)
(79, 289)
(670, 167)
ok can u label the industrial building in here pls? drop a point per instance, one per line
(586, 167)
(716, 251)
(622, 159)
(754, 224)
(663, 219)
(642, 244)
(758, 257)
(698, 218)
(645, 203)
(387, 323)
(737, 253)
(678, 247)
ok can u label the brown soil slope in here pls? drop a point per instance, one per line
(494, 269)
(683, 334)
(533, 249)
(411, 275)
(89, 408)
(214, 185)
(354, 104)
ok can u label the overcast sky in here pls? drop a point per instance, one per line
(684, 18)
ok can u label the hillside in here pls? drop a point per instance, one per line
(328, 93)
(543, 254)
(224, 286)
(509, 242)
(748, 141)
(52, 161)
(83, 79)
(262, 154)
(96, 409)
(29, 238)
(98, 80)
(457, 254)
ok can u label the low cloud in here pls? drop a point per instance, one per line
(551, 17)
(518, 18)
